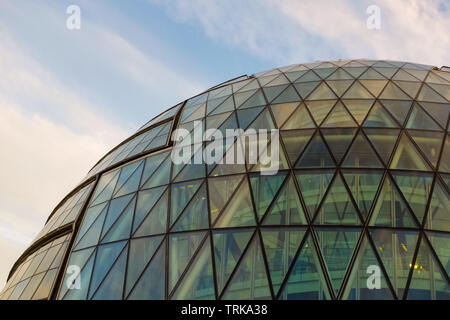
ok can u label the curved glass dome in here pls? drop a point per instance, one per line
(359, 208)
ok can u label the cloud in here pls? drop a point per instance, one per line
(292, 31)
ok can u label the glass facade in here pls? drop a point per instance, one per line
(359, 208)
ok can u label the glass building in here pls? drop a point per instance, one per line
(359, 209)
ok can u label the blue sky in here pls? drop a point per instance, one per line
(68, 96)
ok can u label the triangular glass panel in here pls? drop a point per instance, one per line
(116, 207)
(438, 216)
(325, 72)
(339, 117)
(280, 246)
(105, 188)
(367, 281)
(286, 209)
(371, 74)
(198, 282)
(383, 140)
(378, 117)
(390, 209)
(129, 179)
(247, 116)
(440, 243)
(161, 175)
(387, 71)
(442, 89)
(404, 76)
(308, 76)
(181, 194)
(358, 108)
(445, 157)
(357, 91)
(428, 281)
(288, 95)
(313, 186)
(90, 216)
(396, 249)
(84, 278)
(306, 280)
(322, 92)
(300, 119)
(92, 234)
(239, 210)
(420, 120)
(411, 88)
(294, 75)
(156, 220)
(315, 155)
(436, 78)
(227, 105)
(141, 252)
(220, 191)
(407, 157)
(338, 139)
(361, 154)
(214, 103)
(363, 186)
(294, 142)
(320, 109)
(439, 111)
(195, 216)
(305, 88)
(392, 92)
(355, 71)
(153, 277)
(214, 122)
(228, 248)
(263, 121)
(122, 227)
(340, 74)
(337, 208)
(249, 281)
(182, 248)
(374, 86)
(337, 248)
(151, 164)
(428, 94)
(282, 111)
(106, 256)
(272, 92)
(146, 199)
(399, 109)
(111, 287)
(415, 189)
(241, 97)
(339, 86)
(264, 189)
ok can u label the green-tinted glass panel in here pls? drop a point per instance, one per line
(315, 155)
(294, 142)
(264, 189)
(320, 109)
(272, 92)
(441, 245)
(399, 109)
(161, 175)
(392, 92)
(122, 227)
(411, 88)
(198, 282)
(340, 74)
(156, 220)
(338, 140)
(428, 281)
(116, 207)
(239, 211)
(367, 281)
(416, 190)
(313, 186)
(90, 216)
(281, 112)
(130, 182)
(396, 249)
(339, 117)
(374, 86)
(429, 143)
(286, 209)
(361, 155)
(407, 157)
(337, 207)
(357, 91)
(305, 88)
(390, 209)
(358, 108)
(145, 201)
(371, 74)
(151, 164)
(92, 235)
(280, 246)
(306, 280)
(378, 117)
(363, 186)
(322, 92)
(438, 215)
(220, 191)
(195, 216)
(83, 278)
(444, 165)
(247, 116)
(355, 71)
(383, 140)
(428, 94)
(140, 252)
(105, 187)
(182, 248)
(111, 287)
(153, 277)
(438, 111)
(249, 281)
(288, 95)
(420, 120)
(181, 194)
(339, 86)
(300, 119)
(228, 248)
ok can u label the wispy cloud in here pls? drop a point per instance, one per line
(293, 31)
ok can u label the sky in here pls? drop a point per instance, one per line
(68, 96)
